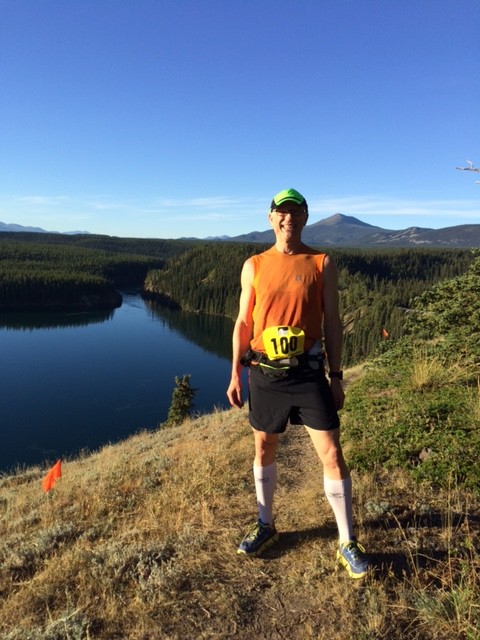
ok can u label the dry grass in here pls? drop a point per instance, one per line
(138, 542)
(434, 371)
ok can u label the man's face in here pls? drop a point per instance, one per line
(288, 220)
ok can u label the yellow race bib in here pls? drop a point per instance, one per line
(283, 342)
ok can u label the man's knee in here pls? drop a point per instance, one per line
(328, 447)
(265, 448)
(333, 461)
(332, 457)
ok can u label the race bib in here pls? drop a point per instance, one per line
(283, 342)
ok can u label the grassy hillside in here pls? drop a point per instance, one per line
(418, 406)
(137, 541)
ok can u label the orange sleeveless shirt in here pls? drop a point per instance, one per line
(288, 291)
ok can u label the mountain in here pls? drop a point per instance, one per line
(18, 228)
(346, 231)
(341, 231)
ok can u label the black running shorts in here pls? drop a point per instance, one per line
(302, 397)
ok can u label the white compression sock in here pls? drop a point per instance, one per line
(339, 495)
(265, 485)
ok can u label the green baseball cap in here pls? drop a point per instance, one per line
(287, 195)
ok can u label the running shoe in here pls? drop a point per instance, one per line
(259, 537)
(352, 556)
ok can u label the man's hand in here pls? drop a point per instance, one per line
(337, 392)
(234, 392)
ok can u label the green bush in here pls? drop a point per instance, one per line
(418, 405)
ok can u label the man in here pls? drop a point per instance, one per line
(289, 293)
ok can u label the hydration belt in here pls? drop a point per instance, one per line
(281, 367)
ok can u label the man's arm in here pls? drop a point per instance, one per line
(242, 333)
(332, 327)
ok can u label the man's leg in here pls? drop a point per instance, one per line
(336, 479)
(265, 474)
(338, 490)
(263, 533)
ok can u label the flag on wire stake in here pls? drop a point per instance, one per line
(53, 475)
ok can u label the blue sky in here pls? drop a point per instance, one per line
(171, 118)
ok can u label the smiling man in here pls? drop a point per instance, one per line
(288, 310)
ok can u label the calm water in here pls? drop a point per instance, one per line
(70, 381)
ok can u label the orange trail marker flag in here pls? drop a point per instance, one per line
(54, 473)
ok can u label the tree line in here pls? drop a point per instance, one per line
(37, 274)
(149, 247)
(376, 287)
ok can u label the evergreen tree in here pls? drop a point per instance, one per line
(182, 401)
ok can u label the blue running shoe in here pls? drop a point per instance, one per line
(352, 556)
(259, 537)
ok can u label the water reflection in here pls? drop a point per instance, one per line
(211, 333)
(75, 381)
(29, 320)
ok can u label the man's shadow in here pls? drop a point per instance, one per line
(400, 562)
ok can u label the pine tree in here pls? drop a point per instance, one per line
(182, 401)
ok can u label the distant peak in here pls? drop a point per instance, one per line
(339, 218)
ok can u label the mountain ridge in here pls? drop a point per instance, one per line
(340, 230)
(18, 228)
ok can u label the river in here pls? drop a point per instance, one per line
(72, 382)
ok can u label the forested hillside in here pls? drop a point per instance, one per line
(150, 247)
(205, 279)
(377, 287)
(54, 271)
